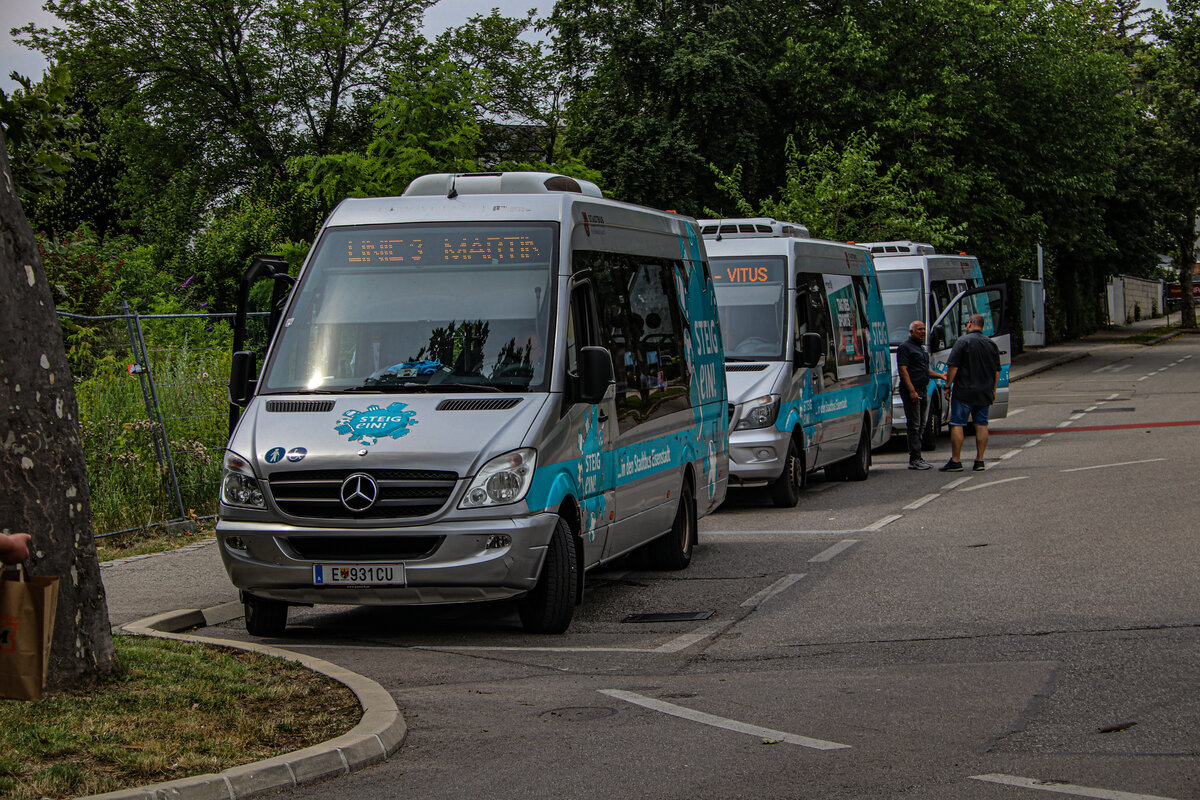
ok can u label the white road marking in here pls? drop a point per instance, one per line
(1009, 454)
(957, 483)
(688, 639)
(721, 722)
(915, 504)
(1091, 408)
(1113, 396)
(880, 523)
(1120, 464)
(1112, 368)
(1016, 411)
(829, 553)
(1074, 417)
(772, 590)
(1031, 444)
(1063, 424)
(993, 483)
(1143, 377)
(1065, 788)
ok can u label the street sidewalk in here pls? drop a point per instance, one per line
(167, 593)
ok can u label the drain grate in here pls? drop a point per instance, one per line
(678, 616)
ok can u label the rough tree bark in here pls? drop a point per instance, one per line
(43, 482)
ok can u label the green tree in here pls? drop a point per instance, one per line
(1174, 91)
(44, 134)
(846, 195)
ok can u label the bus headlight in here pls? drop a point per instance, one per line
(503, 480)
(239, 487)
(759, 413)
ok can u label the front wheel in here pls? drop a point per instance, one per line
(785, 491)
(932, 427)
(673, 550)
(264, 617)
(549, 606)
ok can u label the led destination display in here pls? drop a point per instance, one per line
(447, 247)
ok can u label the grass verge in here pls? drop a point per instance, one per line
(177, 709)
(152, 540)
(1145, 337)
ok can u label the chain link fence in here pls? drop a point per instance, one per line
(154, 414)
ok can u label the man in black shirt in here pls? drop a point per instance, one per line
(974, 375)
(912, 362)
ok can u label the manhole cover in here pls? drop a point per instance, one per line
(677, 616)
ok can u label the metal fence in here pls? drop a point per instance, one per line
(153, 414)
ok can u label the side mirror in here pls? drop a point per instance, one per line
(595, 374)
(937, 338)
(812, 349)
(242, 373)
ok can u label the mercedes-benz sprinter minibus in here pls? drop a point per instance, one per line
(477, 391)
(805, 354)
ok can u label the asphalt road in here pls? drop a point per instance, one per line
(1026, 631)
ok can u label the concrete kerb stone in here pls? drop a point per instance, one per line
(378, 734)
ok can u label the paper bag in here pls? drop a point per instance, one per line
(27, 609)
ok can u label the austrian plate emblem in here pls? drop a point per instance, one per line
(376, 423)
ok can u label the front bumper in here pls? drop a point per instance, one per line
(461, 569)
(756, 457)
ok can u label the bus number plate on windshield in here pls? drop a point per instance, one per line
(358, 574)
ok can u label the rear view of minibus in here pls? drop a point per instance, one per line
(438, 418)
(805, 352)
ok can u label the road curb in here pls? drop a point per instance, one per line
(1057, 361)
(1164, 338)
(377, 736)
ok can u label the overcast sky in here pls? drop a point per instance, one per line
(16, 13)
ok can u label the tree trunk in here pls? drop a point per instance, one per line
(1187, 258)
(41, 455)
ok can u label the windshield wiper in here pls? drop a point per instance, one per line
(424, 388)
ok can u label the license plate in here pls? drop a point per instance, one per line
(358, 574)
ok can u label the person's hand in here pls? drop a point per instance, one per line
(916, 395)
(14, 548)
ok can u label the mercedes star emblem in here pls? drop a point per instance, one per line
(359, 492)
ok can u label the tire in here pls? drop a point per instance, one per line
(264, 617)
(549, 606)
(858, 466)
(785, 491)
(673, 550)
(933, 428)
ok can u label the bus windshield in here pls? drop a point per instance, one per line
(903, 300)
(751, 301)
(461, 307)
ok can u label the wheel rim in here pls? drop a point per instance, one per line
(797, 473)
(686, 543)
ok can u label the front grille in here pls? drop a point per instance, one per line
(745, 367)
(364, 548)
(316, 493)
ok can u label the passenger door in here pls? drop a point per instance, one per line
(990, 301)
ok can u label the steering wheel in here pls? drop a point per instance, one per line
(753, 344)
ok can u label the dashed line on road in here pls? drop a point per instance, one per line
(1010, 454)
(772, 590)
(1062, 787)
(1119, 464)
(779, 533)
(721, 722)
(1034, 443)
(828, 553)
(882, 523)
(994, 483)
(957, 483)
(920, 501)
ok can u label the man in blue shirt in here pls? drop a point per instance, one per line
(973, 375)
(912, 362)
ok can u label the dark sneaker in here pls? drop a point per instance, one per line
(979, 465)
(951, 466)
(919, 463)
